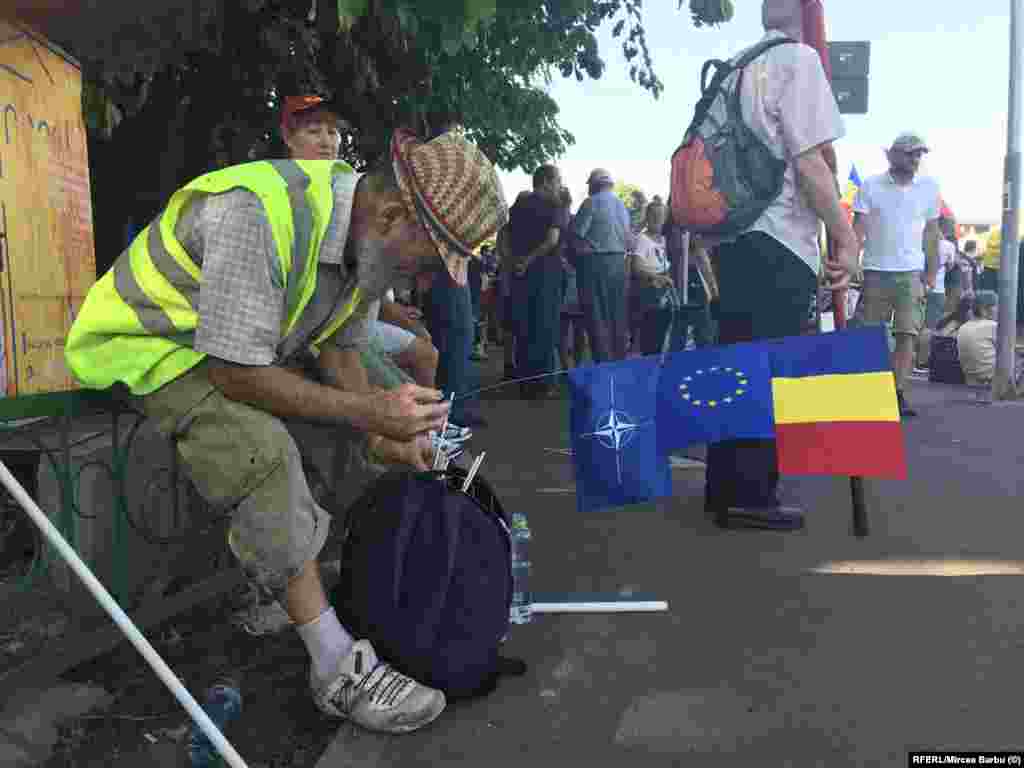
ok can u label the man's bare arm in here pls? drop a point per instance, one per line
(399, 414)
(705, 268)
(932, 235)
(859, 229)
(343, 369)
(819, 186)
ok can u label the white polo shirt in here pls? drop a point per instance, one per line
(895, 216)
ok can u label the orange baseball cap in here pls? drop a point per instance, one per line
(293, 105)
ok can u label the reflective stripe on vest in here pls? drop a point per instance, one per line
(137, 322)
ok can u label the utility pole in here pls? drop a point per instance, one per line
(1003, 387)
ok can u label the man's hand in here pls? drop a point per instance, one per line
(662, 281)
(930, 277)
(417, 453)
(841, 265)
(401, 413)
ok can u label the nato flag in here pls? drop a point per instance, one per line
(614, 434)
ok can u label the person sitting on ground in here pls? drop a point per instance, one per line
(199, 325)
(947, 327)
(976, 340)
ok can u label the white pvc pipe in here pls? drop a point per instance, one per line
(166, 675)
(625, 606)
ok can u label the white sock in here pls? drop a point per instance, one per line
(327, 642)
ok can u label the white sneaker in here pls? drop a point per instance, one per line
(371, 694)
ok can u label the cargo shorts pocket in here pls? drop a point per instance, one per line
(229, 448)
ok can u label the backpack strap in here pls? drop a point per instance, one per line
(760, 49)
(709, 91)
(741, 64)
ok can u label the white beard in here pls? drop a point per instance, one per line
(375, 274)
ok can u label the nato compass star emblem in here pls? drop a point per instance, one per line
(615, 429)
(727, 384)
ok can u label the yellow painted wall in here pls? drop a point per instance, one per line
(46, 238)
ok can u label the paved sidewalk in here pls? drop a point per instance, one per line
(759, 660)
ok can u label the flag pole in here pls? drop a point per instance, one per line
(1003, 385)
(814, 36)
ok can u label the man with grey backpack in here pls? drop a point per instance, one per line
(751, 175)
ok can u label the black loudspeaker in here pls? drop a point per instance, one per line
(851, 95)
(849, 59)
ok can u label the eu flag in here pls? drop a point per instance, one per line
(614, 434)
(714, 394)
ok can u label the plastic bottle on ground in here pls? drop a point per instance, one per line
(522, 597)
(222, 703)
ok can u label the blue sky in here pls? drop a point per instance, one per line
(940, 68)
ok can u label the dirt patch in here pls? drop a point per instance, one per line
(279, 725)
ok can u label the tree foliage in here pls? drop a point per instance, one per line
(388, 62)
(635, 200)
(196, 84)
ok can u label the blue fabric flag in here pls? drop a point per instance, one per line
(615, 435)
(714, 394)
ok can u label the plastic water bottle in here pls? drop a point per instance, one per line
(223, 703)
(522, 598)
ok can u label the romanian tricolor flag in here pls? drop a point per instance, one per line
(835, 409)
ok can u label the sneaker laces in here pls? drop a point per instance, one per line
(383, 685)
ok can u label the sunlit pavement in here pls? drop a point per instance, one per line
(802, 649)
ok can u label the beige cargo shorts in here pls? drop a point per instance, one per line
(247, 464)
(896, 296)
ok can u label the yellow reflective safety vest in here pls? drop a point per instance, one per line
(138, 321)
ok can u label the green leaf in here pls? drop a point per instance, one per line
(451, 41)
(408, 18)
(353, 7)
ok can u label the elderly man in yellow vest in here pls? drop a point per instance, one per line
(205, 316)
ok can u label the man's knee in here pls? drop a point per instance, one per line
(244, 461)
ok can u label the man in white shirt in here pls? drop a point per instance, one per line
(893, 213)
(768, 275)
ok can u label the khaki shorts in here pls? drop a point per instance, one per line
(245, 463)
(896, 296)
